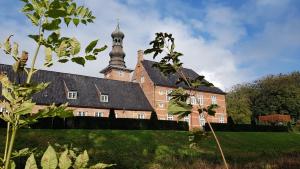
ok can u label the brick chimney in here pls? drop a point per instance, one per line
(140, 55)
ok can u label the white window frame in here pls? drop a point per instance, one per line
(141, 115)
(168, 98)
(202, 120)
(162, 92)
(99, 114)
(81, 113)
(193, 100)
(3, 110)
(170, 117)
(104, 98)
(72, 95)
(201, 100)
(213, 99)
(142, 79)
(222, 119)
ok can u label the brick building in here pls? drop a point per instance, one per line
(131, 93)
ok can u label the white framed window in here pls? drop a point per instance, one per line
(103, 98)
(81, 113)
(98, 114)
(121, 73)
(187, 119)
(201, 100)
(116, 115)
(141, 115)
(161, 105)
(72, 95)
(202, 119)
(222, 119)
(170, 116)
(193, 100)
(162, 92)
(169, 97)
(213, 99)
(142, 79)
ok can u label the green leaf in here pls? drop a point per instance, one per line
(75, 46)
(61, 50)
(71, 8)
(12, 164)
(91, 46)
(48, 57)
(90, 57)
(25, 108)
(49, 159)
(64, 160)
(97, 50)
(76, 21)
(82, 160)
(56, 13)
(15, 49)
(34, 37)
(79, 60)
(101, 166)
(33, 19)
(31, 163)
(67, 20)
(27, 8)
(7, 45)
(64, 60)
(53, 25)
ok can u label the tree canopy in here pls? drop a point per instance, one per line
(273, 94)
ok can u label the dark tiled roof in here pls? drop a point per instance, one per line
(122, 95)
(170, 81)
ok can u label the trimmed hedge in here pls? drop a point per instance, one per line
(107, 123)
(246, 128)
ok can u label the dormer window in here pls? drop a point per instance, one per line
(72, 95)
(103, 98)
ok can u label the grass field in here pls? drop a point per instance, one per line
(169, 149)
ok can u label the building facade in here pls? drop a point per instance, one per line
(130, 93)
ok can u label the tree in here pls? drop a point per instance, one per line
(48, 16)
(238, 104)
(171, 64)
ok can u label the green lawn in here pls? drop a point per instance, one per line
(169, 149)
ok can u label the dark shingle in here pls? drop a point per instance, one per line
(170, 81)
(122, 95)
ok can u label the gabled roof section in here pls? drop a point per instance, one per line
(122, 95)
(170, 81)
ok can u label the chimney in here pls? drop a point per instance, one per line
(140, 55)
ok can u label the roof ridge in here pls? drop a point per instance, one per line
(51, 71)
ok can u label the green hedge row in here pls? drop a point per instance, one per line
(246, 127)
(106, 123)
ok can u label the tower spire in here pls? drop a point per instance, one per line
(116, 54)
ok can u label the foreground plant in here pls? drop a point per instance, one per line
(171, 64)
(48, 16)
(67, 159)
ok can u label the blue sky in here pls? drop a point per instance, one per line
(230, 42)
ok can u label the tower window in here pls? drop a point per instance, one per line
(72, 95)
(121, 73)
(103, 98)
